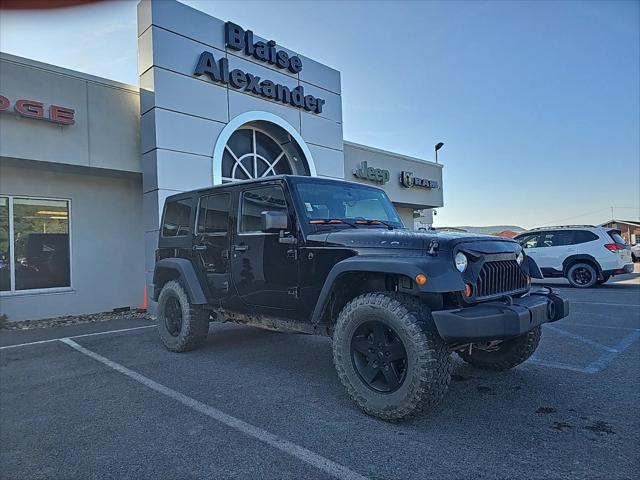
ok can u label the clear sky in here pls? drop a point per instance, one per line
(538, 103)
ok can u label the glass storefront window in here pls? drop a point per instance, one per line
(36, 233)
(5, 253)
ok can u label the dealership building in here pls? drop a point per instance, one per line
(86, 163)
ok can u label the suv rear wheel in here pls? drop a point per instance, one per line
(507, 355)
(582, 275)
(390, 363)
(181, 326)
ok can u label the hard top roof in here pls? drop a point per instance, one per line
(253, 181)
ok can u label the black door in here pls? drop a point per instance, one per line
(264, 270)
(211, 245)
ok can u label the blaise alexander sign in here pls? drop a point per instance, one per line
(239, 39)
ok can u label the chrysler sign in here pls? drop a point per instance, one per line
(217, 70)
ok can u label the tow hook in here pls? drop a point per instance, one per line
(508, 299)
(551, 310)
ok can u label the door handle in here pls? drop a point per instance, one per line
(199, 248)
(241, 248)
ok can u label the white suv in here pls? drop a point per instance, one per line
(584, 255)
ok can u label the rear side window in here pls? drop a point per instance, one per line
(556, 239)
(177, 218)
(617, 237)
(583, 236)
(213, 216)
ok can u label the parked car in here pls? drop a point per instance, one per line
(635, 252)
(585, 255)
(330, 257)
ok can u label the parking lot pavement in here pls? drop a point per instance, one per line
(260, 404)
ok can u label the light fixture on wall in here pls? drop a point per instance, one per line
(438, 146)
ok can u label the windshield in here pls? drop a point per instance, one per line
(348, 202)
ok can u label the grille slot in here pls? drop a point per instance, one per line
(500, 277)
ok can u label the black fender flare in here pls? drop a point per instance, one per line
(581, 256)
(187, 276)
(441, 276)
(534, 270)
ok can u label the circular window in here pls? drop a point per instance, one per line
(252, 153)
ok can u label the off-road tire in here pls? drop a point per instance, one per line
(603, 280)
(428, 363)
(508, 354)
(195, 320)
(586, 266)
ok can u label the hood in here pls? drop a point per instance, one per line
(413, 240)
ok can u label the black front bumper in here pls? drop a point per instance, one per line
(498, 320)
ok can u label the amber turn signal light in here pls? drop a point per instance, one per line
(421, 279)
(468, 290)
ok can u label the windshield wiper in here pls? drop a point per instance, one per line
(375, 222)
(331, 221)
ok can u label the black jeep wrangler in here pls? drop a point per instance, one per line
(330, 257)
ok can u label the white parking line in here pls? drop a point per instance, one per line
(614, 327)
(580, 338)
(332, 468)
(75, 336)
(600, 363)
(605, 303)
(561, 366)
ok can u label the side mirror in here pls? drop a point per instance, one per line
(274, 221)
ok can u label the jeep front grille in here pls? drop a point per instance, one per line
(501, 277)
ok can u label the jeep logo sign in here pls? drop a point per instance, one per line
(408, 180)
(377, 175)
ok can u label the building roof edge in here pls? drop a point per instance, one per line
(7, 57)
(388, 152)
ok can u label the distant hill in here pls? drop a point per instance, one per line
(490, 230)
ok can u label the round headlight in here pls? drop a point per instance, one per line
(520, 257)
(461, 261)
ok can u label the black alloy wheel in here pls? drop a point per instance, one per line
(379, 357)
(181, 325)
(582, 276)
(173, 316)
(391, 362)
